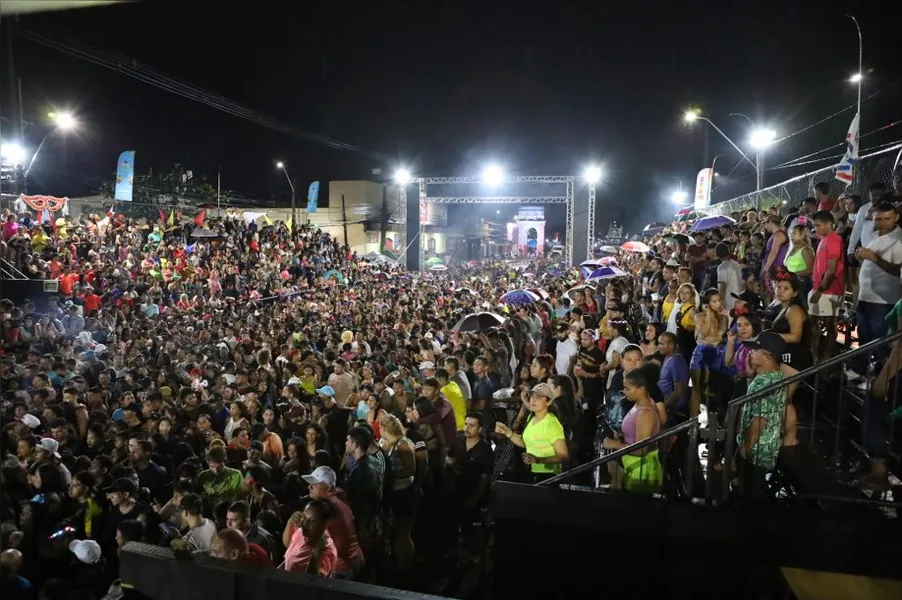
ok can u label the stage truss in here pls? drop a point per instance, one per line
(567, 199)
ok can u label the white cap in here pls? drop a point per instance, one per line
(426, 364)
(294, 381)
(31, 421)
(321, 475)
(87, 551)
(428, 336)
(50, 445)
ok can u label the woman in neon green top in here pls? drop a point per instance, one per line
(800, 258)
(543, 438)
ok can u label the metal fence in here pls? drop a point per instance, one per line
(871, 168)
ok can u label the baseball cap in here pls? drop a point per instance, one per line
(426, 364)
(321, 475)
(770, 342)
(50, 445)
(31, 421)
(543, 389)
(86, 551)
(326, 390)
(165, 391)
(428, 336)
(294, 381)
(123, 485)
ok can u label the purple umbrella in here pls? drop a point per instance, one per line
(605, 273)
(518, 297)
(707, 223)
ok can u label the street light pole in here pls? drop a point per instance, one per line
(694, 116)
(281, 166)
(62, 122)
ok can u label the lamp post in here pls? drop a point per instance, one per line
(62, 122)
(760, 139)
(281, 165)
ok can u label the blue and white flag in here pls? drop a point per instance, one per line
(845, 170)
(125, 175)
(312, 197)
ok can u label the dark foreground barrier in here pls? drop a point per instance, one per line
(553, 543)
(154, 573)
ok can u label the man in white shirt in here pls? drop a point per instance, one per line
(879, 284)
(863, 230)
(565, 350)
(201, 530)
(729, 276)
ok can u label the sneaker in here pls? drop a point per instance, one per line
(852, 375)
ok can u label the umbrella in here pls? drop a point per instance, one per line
(688, 214)
(528, 275)
(438, 267)
(479, 322)
(333, 274)
(554, 271)
(706, 223)
(203, 232)
(635, 247)
(608, 250)
(607, 261)
(463, 291)
(605, 273)
(680, 238)
(375, 257)
(435, 260)
(518, 297)
(580, 288)
(591, 264)
(652, 227)
(542, 294)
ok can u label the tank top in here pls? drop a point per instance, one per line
(795, 261)
(799, 352)
(629, 423)
(781, 254)
(400, 482)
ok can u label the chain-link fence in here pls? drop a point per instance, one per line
(872, 168)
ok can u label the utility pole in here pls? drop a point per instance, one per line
(344, 220)
(294, 223)
(218, 187)
(384, 218)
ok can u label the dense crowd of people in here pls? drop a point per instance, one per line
(269, 397)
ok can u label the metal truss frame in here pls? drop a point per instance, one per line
(424, 198)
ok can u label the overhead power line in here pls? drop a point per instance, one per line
(132, 68)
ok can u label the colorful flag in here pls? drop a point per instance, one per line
(703, 188)
(125, 176)
(110, 212)
(162, 216)
(845, 170)
(199, 219)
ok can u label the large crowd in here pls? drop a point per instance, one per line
(270, 397)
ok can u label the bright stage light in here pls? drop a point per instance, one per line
(592, 175)
(402, 177)
(280, 164)
(856, 78)
(12, 152)
(493, 175)
(762, 138)
(679, 196)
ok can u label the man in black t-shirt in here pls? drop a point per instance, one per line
(589, 360)
(472, 461)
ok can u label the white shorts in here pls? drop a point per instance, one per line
(827, 306)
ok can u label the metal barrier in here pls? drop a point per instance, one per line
(736, 405)
(691, 426)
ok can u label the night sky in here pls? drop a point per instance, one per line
(541, 90)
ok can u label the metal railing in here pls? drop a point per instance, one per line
(9, 271)
(692, 426)
(736, 405)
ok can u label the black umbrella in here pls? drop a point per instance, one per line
(479, 322)
(202, 232)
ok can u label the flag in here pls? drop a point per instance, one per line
(199, 219)
(313, 197)
(110, 212)
(267, 219)
(289, 223)
(171, 221)
(125, 176)
(162, 216)
(845, 170)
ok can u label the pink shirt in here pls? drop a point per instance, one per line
(10, 228)
(828, 248)
(299, 553)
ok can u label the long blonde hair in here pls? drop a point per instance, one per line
(392, 425)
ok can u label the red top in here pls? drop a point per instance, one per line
(828, 204)
(256, 555)
(829, 247)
